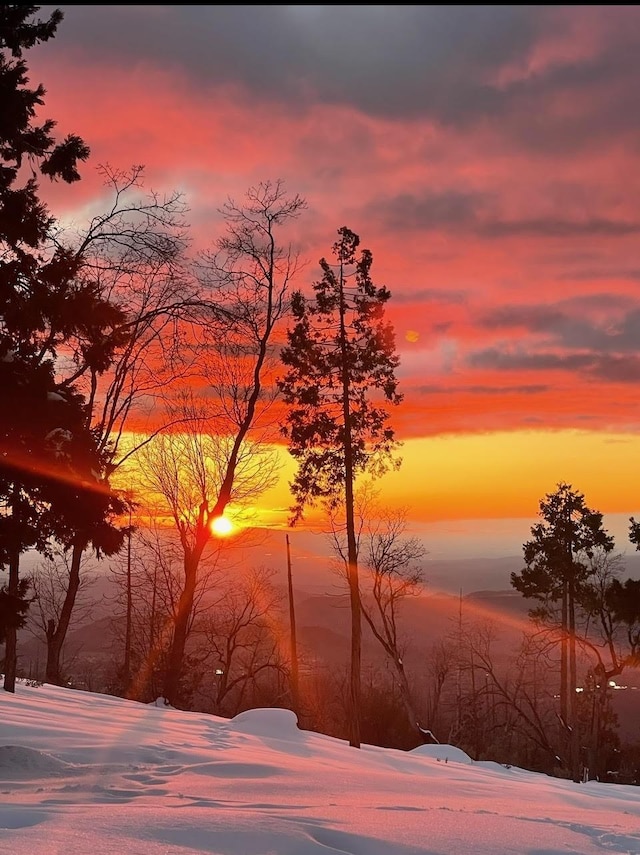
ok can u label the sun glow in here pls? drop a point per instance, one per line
(221, 526)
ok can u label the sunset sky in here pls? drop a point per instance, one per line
(487, 155)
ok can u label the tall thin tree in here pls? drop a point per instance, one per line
(340, 364)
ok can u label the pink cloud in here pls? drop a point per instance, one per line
(524, 199)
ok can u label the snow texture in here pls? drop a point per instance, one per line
(89, 774)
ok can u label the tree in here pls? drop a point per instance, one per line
(247, 277)
(340, 365)
(242, 632)
(51, 581)
(393, 573)
(131, 252)
(621, 612)
(185, 472)
(48, 454)
(392, 561)
(150, 581)
(13, 608)
(557, 568)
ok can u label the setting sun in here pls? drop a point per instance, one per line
(221, 526)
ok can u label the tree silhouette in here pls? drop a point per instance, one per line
(340, 360)
(247, 277)
(557, 568)
(13, 608)
(48, 315)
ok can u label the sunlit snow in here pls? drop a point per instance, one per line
(88, 774)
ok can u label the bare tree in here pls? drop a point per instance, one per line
(440, 666)
(248, 278)
(186, 472)
(51, 580)
(392, 574)
(391, 562)
(608, 633)
(508, 702)
(149, 589)
(130, 256)
(242, 635)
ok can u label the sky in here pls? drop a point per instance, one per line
(132, 778)
(486, 155)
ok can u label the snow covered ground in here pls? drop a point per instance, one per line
(88, 774)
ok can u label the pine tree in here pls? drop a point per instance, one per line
(13, 608)
(49, 316)
(341, 361)
(556, 571)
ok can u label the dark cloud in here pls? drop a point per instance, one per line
(534, 318)
(558, 227)
(521, 389)
(433, 210)
(617, 369)
(498, 359)
(604, 335)
(430, 295)
(604, 102)
(605, 301)
(440, 62)
(385, 60)
(605, 367)
(594, 274)
(589, 260)
(477, 212)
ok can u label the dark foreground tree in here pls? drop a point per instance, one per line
(340, 364)
(557, 569)
(13, 608)
(48, 313)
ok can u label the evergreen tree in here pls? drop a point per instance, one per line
(340, 360)
(50, 317)
(13, 608)
(555, 573)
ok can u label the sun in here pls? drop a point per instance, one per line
(221, 526)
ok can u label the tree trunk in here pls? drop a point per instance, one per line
(564, 712)
(573, 680)
(56, 639)
(407, 700)
(355, 689)
(356, 623)
(126, 665)
(181, 630)
(11, 634)
(295, 683)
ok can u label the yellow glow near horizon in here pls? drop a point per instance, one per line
(500, 475)
(505, 474)
(221, 526)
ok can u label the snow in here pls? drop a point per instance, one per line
(89, 774)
